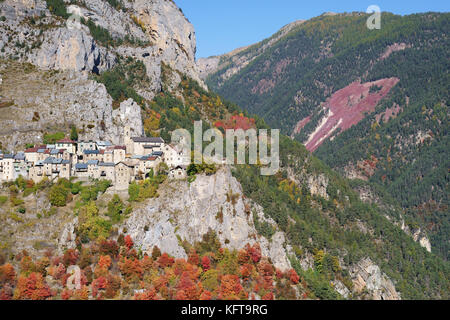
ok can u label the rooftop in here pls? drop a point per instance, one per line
(65, 141)
(81, 166)
(91, 151)
(148, 139)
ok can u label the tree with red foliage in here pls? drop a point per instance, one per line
(268, 296)
(109, 247)
(193, 258)
(293, 276)
(254, 252)
(70, 257)
(98, 284)
(32, 287)
(165, 261)
(131, 269)
(6, 293)
(206, 263)
(187, 288)
(66, 294)
(128, 242)
(146, 295)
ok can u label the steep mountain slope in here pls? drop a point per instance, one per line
(372, 104)
(305, 217)
(142, 34)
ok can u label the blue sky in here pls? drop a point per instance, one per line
(222, 26)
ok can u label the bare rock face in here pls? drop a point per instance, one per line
(127, 115)
(367, 277)
(72, 49)
(43, 101)
(172, 37)
(186, 211)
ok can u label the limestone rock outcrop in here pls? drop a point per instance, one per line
(187, 211)
(367, 276)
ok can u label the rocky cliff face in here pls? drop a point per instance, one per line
(367, 277)
(186, 211)
(153, 32)
(41, 101)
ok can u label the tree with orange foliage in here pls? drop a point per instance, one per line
(104, 262)
(206, 295)
(243, 255)
(7, 274)
(246, 271)
(230, 287)
(32, 287)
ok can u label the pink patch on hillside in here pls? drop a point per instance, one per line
(347, 107)
(301, 124)
(389, 113)
(236, 122)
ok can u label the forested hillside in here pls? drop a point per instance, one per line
(325, 84)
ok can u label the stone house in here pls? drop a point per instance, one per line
(85, 145)
(124, 174)
(7, 171)
(145, 165)
(107, 171)
(102, 145)
(178, 172)
(81, 170)
(66, 144)
(146, 145)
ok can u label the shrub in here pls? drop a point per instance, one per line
(133, 191)
(58, 8)
(3, 200)
(90, 225)
(115, 209)
(58, 195)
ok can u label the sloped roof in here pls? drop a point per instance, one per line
(148, 139)
(80, 166)
(65, 140)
